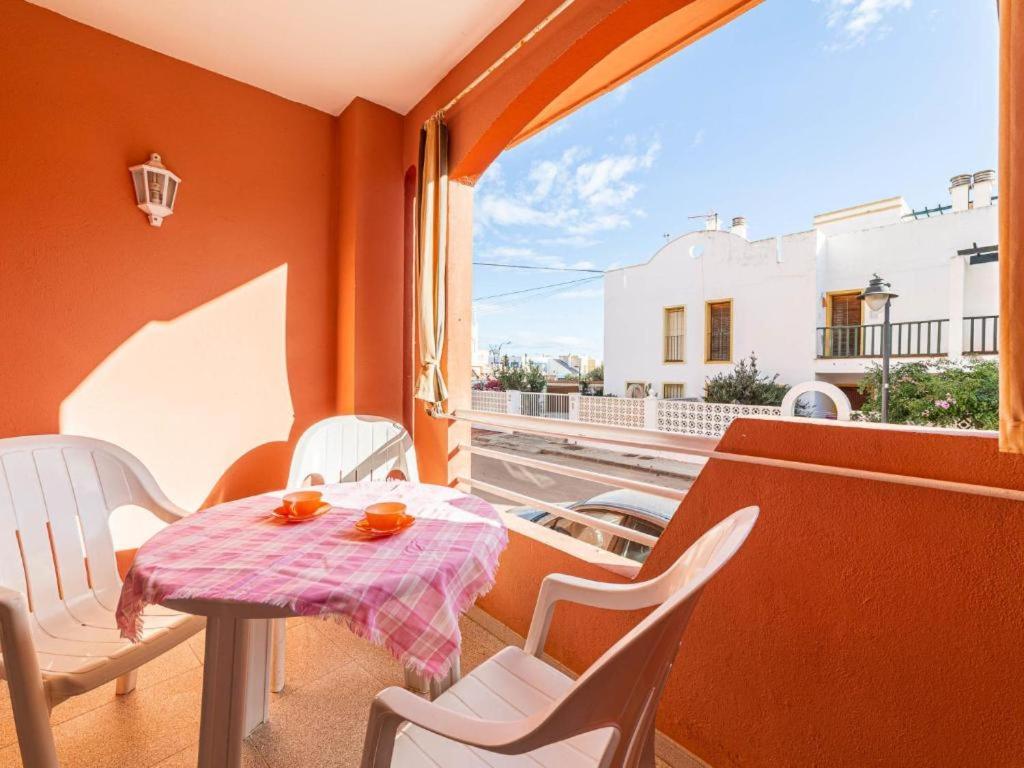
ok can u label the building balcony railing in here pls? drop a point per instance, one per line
(981, 335)
(914, 338)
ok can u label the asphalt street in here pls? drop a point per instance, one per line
(549, 486)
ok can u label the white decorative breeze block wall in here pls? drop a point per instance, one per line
(492, 402)
(705, 419)
(617, 411)
(681, 416)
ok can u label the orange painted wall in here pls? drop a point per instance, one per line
(371, 254)
(863, 623)
(82, 270)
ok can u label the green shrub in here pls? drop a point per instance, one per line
(529, 378)
(943, 393)
(745, 385)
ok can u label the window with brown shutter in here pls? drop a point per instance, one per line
(718, 322)
(674, 334)
(845, 335)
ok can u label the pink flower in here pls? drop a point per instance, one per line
(942, 404)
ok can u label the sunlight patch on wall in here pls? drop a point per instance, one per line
(190, 395)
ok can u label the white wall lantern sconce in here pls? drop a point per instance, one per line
(156, 189)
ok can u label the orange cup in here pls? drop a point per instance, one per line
(302, 503)
(385, 515)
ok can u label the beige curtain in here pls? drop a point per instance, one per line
(431, 260)
(1011, 226)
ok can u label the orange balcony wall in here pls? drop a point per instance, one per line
(863, 623)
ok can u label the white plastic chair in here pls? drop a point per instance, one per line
(59, 583)
(516, 705)
(344, 449)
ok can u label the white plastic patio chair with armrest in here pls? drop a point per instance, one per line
(514, 704)
(344, 449)
(59, 583)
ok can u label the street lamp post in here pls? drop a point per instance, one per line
(878, 295)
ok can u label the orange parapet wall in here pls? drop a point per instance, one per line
(863, 623)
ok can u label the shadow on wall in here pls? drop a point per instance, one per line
(209, 384)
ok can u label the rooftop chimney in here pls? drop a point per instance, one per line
(711, 222)
(960, 190)
(983, 183)
(739, 226)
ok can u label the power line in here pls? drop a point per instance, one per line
(531, 266)
(516, 301)
(537, 288)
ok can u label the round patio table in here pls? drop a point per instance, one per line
(240, 566)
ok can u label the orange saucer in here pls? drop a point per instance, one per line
(363, 526)
(281, 513)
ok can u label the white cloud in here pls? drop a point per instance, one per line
(483, 309)
(508, 250)
(855, 22)
(543, 174)
(698, 138)
(540, 342)
(529, 257)
(602, 184)
(604, 222)
(576, 241)
(619, 94)
(581, 293)
(570, 194)
(506, 211)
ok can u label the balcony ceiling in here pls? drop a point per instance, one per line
(322, 53)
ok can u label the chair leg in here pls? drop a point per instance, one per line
(126, 682)
(30, 700)
(32, 724)
(280, 628)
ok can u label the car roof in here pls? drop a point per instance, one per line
(644, 503)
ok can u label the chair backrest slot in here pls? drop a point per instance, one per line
(30, 515)
(56, 560)
(94, 507)
(26, 584)
(61, 505)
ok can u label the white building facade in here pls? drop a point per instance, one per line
(710, 298)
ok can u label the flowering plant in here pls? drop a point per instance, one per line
(943, 393)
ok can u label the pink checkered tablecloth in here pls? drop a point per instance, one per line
(405, 592)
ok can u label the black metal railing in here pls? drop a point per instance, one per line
(981, 335)
(916, 338)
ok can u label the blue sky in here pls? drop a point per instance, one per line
(796, 108)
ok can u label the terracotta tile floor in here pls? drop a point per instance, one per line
(318, 720)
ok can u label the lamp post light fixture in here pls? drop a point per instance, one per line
(878, 295)
(156, 189)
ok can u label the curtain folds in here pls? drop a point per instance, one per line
(1011, 226)
(431, 260)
